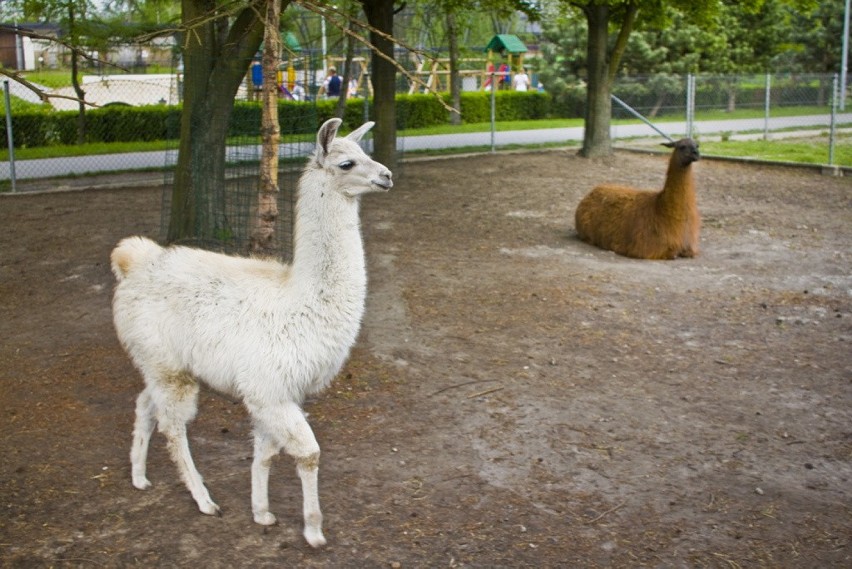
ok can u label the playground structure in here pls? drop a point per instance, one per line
(302, 71)
(476, 73)
(512, 49)
(435, 73)
(299, 76)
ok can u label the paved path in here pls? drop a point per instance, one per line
(83, 165)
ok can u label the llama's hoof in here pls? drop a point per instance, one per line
(141, 482)
(265, 519)
(314, 537)
(210, 508)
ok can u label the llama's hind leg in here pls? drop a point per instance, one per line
(287, 426)
(178, 406)
(142, 430)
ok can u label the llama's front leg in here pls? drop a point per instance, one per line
(308, 469)
(290, 429)
(172, 415)
(264, 450)
(689, 252)
(142, 430)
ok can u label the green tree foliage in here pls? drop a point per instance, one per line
(594, 41)
(143, 12)
(815, 42)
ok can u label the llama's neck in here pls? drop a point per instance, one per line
(678, 194)
(328, 255)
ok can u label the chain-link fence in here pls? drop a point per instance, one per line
(777, 109)
(788, 110)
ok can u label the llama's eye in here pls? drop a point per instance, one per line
(346, 165)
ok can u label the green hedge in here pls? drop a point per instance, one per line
(117, 123)
(120, 123)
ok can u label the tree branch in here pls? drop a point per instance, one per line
(44, 96)
(631, 10)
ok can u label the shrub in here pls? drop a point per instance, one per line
(418, 111)
(508, 106)
(121, 123)
(32, 128)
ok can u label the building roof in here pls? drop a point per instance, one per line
(506, 42)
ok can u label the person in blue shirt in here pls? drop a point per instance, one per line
(331, 85)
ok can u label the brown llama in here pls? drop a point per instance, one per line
(646, 224)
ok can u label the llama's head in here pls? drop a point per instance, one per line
(685, 151)
(354, 173)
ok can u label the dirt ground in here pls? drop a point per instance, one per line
(517, 398)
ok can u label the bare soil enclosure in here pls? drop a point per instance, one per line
(517, 398)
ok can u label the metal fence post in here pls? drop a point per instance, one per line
(690, 104)
(692, 98)
(493, 113)
(834, 91)
(844, 57)
(766, 103)
(366, 96)
(9, 134)
(688, 121)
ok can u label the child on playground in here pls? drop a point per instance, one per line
(521, 81)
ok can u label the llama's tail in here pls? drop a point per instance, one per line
(131, 253)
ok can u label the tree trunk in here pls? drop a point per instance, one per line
(732, 97)
(455, 79)
(263, 233)
(596, 139)
(658, 104)
(380, 16)
(216, 58)
(340, 109)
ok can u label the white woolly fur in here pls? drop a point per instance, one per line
(265, 332)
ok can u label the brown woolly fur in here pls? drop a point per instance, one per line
(646, 224)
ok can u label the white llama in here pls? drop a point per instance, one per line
(267, 333)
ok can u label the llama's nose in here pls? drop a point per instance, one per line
(384, 179)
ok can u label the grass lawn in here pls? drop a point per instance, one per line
(808, 151)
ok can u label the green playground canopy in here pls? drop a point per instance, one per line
(506, 42)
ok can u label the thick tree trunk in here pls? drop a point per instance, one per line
(216, 58)
(732, 98)
(340, 109)
(81, 95)
(380, 16)
(455, 79)
(596, 139)
(263, 233)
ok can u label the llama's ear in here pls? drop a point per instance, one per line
(356, 134)
(670, 144)
(326, 134)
